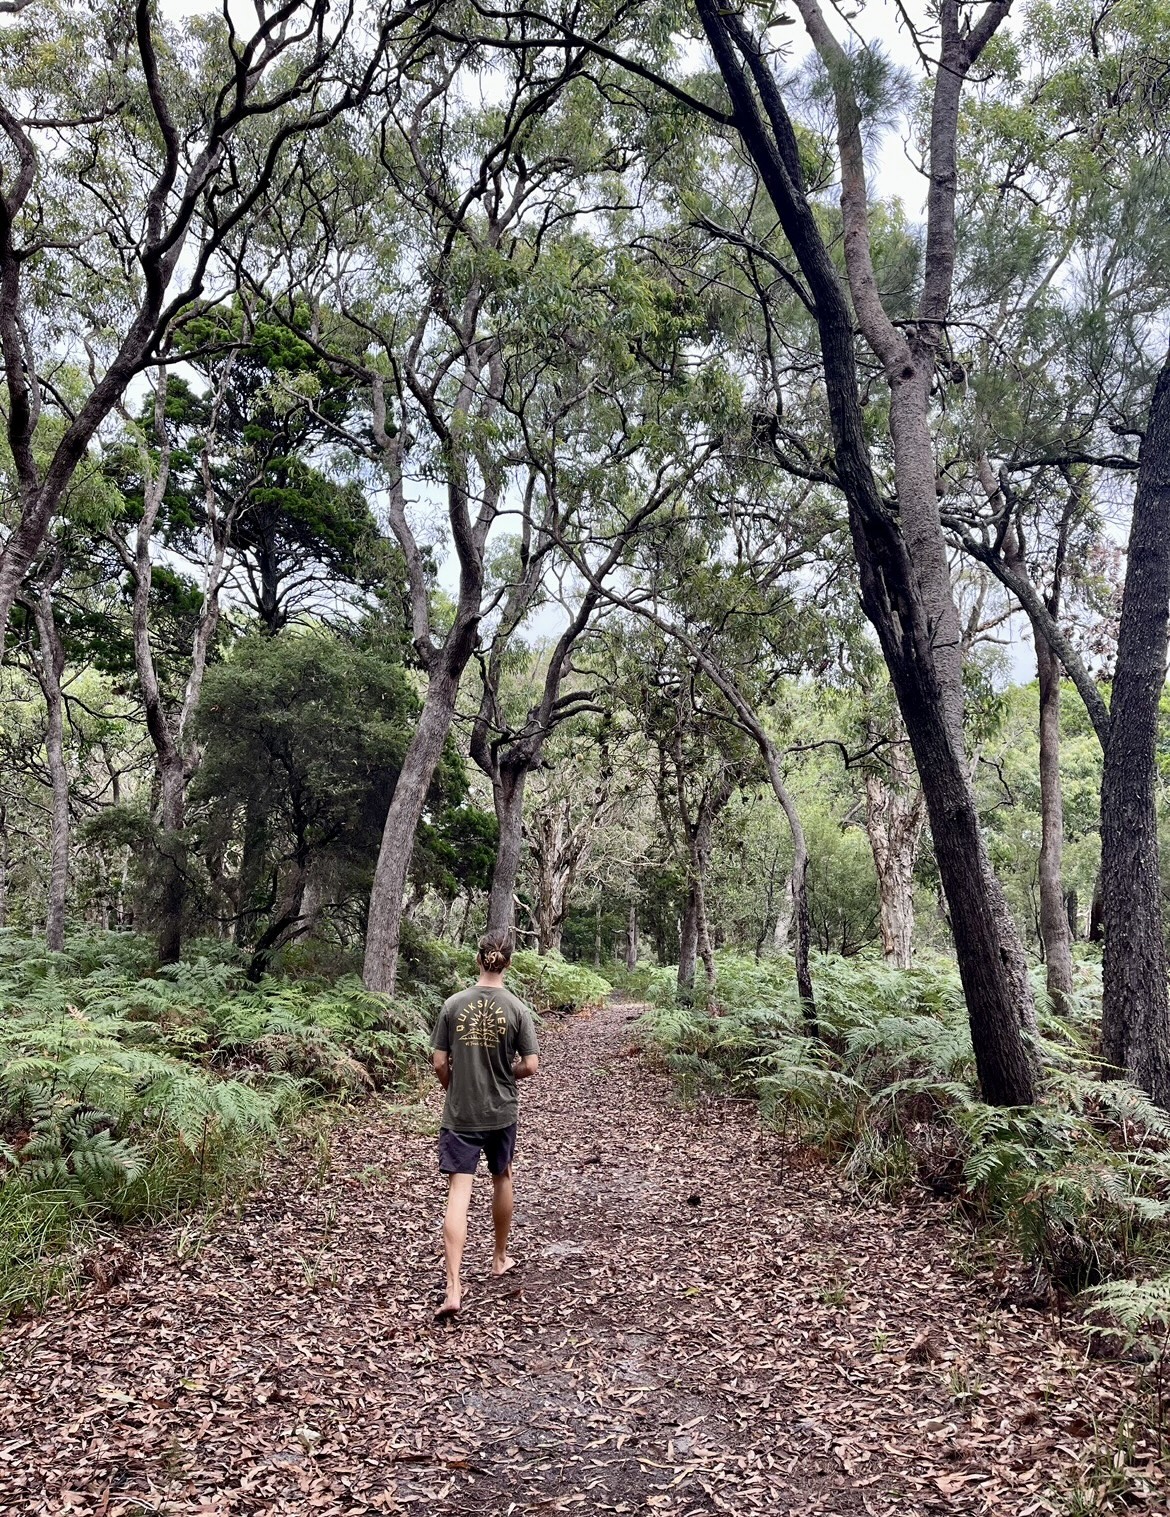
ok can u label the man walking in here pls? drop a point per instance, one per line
(483, 1042)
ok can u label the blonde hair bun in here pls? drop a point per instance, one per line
(495, 951)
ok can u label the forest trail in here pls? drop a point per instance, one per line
(697, 1327)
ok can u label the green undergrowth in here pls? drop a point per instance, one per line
(551, 984)
(128, 1095)
(1079, 1183)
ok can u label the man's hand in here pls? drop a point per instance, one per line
(441, 1064)
(525, 1068)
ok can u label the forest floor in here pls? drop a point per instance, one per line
(700, 1323)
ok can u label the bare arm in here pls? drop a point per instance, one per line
(441, 1064)
(525, 1068)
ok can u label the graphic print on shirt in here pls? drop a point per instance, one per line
(482, 1023)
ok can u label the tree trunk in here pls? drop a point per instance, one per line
(288, 922)
(554, 879)
(172, 859)
(702, 925)
(384, 923)
(783, 921)
(508, 796)
(1135, 1012)
(893, 824)
(4, 857)
(1096, 931)
(251, 872)
(462, 937)
(1054, 932)
(688, 945)
(891, 587)
(50, 667)
(1070, 906)
(632, 939)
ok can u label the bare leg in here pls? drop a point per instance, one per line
(502, 1202)
(455, 1239)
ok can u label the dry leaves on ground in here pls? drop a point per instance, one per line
(697, 1327)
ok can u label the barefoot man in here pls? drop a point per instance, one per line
(483, 1042)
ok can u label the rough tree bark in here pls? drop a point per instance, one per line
(508, 798)
(904, 616)
(632, 938)
(688, 944)
(1135, 1015)
(1126, 897)
(894, 816)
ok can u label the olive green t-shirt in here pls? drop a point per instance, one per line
(483, 1030)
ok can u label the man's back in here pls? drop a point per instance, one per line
(483, 1030)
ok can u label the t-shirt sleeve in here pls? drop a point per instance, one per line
(526, 1035)
(441, 1036)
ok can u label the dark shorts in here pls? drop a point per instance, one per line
(459, 1151)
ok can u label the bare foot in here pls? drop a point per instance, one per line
(450, 1308)
(502, 1266)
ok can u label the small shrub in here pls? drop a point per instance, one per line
(552, 984)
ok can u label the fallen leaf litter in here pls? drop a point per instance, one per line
(700, 1325)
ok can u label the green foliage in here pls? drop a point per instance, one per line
(551, 984)
(125, 1096)
(305, 736)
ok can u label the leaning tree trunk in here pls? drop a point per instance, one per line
(1054, 929)
(1135, 1013)
(891, 590)
(508, 796)
(289, 921)
(798, 882)
(384, 923)
(50, 667)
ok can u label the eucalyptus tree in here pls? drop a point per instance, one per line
(133, 155)
(441, 240)
(700, 758)
(577, 812)
(740, 594)
(169, 715)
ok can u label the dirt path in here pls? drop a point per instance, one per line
(696, 1329)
